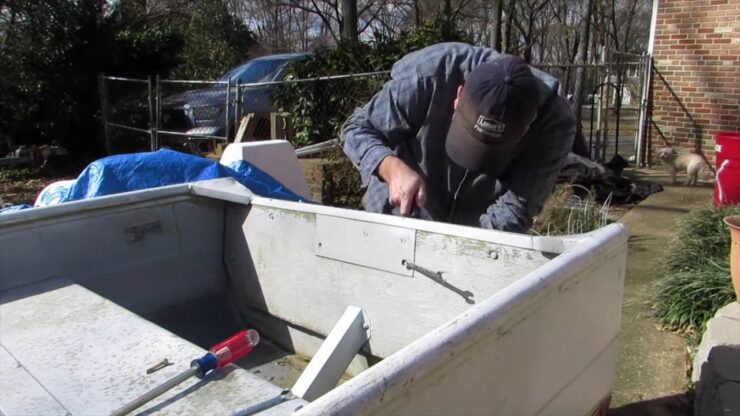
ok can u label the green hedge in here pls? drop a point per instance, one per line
(696, 280)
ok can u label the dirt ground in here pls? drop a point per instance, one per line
(21, 185)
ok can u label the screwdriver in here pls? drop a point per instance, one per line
(219, 356)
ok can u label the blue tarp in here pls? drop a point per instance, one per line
(132, 172)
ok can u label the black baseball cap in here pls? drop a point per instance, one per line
(497, 104)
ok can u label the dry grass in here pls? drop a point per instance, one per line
(571, 209)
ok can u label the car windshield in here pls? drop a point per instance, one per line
(262, 70)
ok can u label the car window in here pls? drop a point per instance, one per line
(255, 71)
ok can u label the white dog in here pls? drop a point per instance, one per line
(693, 162)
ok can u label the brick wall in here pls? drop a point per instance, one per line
(696, 86)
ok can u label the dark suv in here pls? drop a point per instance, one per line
(202, 112)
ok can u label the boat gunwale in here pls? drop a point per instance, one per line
(360, 394)
(546, 244)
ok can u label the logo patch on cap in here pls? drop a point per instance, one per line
(489, 127)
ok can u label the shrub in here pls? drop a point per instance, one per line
(341, 185)
(696, 280)
(318, 109)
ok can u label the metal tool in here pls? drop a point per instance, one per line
(437, 277)
(219, 356)
(160, 365)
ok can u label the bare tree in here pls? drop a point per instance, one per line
(586, 7)
(622, 24)
(539, 30)
(498, 9)
(526, 19)
(349, 20)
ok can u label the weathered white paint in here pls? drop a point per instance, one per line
(331, 360)
(226, 189)
(91, 355)
(275, 157)
(539, 340)
(136, 253)
(20, 393)
(294, 338)
(271, 260)
(363, 243)
(76, 208)
(514, 353)
(546, 244)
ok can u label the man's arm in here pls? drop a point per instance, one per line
(369, 136)
(533, 175)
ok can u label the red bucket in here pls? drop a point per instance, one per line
(727, 163)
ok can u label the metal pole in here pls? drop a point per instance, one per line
(644, 127)
(591, 128)
(607, 94)
(228, 112)
(150, 99)
(237, 109)
(102, 86)
(636, 147)
(156, 392)
(597, 142)
(619, 108)
(158, 110)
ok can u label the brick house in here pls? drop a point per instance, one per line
(696, 81)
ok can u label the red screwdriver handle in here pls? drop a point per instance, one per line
(237, 346)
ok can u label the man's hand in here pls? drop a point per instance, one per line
(405, 186)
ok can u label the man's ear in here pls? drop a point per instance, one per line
(457, 98)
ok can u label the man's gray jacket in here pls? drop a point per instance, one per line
(409, 118)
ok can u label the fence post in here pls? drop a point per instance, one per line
(644, 103)
(228, 112)
(618, 108)
(607, 98)
(237, 109)
(104, 112)
(150, 99)
(157, 111)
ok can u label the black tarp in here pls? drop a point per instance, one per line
(606, 180)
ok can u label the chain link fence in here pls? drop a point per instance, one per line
(193, 116)
(128, 113)
(200, 116)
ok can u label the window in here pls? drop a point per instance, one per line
(255, 71)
